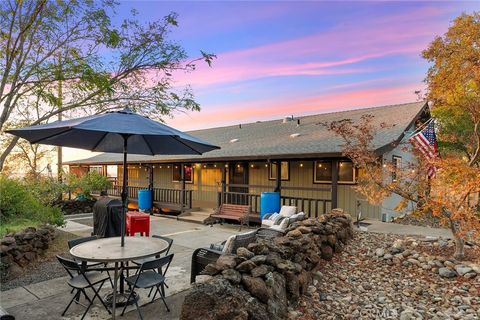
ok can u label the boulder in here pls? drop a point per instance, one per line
(261, 271)
(447, 273)
(245, 253)
(219, 300)
(246, 266)
(226, 261)
(462, 270)
(257, 287)
(277, 304)
(232, 275)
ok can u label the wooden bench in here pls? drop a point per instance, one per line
(235, 212)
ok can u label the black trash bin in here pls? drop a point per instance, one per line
(107, 217)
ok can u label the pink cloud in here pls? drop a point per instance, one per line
(280, 106)
(349, 44)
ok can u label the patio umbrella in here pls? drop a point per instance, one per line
(118, 132)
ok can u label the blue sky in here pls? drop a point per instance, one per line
(280, 57)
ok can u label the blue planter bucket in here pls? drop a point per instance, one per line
(144, 199)
(269, 203)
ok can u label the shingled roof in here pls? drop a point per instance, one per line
(277, 139)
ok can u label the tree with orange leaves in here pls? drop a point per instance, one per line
(446, 196)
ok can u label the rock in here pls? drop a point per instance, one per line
(260, 271)
(410, 314)
(258, 260)
(461, 269)
(327, 252)
(294, 233)
(246, 266)
(475, 267)
(277, 304)
(470, 275)
(380, 252)
(449, 264)
(207, 301)
(232, 275)
(387, 256)
(245, 253)
(210, 270)
(447, 273)
(256, 286)
(397, 244)
(304, 229)
(7, 241)
(226, 261)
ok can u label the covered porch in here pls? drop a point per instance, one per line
(312, 185)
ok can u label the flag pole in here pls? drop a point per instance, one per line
(419, 129)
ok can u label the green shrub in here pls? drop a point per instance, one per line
(47, 190)
(20, 205)
(92, 181)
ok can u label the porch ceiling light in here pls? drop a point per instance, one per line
(294, 135)
(233, 140)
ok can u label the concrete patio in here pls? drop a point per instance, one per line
(46, 300)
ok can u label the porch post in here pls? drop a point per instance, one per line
(334, 184)
(182, 193)
(150, 183)
(278, 178)
(224, 185)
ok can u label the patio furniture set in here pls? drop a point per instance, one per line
(91, 268)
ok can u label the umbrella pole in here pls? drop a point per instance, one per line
(124, 189)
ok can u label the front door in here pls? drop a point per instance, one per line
(238, 175)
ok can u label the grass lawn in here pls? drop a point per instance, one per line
(16, 225)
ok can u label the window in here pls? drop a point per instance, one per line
(346, 171)
(284, 171)
(397, 165)
(323, 171)
(97, 169)
(177, 173)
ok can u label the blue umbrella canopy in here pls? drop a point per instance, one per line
(106, 132)
(118, 132)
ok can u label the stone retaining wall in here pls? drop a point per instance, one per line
(264, 279)
(19, 249)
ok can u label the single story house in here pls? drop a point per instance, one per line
(296, 156)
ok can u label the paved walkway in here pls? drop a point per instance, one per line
(46, 300)
(395, 228)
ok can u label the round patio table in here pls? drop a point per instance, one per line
(109, 250)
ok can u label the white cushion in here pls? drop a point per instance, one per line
(267, 223)
(282, 226)
(297, 217)
(287, 211)
(227, 247)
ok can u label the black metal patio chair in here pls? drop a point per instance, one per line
(80, 280)
(72, 243)
(151, 275)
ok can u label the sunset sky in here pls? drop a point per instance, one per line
(297, 58)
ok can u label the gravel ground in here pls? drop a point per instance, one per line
(45, 268)
(357, 285)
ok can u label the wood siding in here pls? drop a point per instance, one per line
(207, 183)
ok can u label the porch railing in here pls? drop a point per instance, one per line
(313, 207)
(161, 195)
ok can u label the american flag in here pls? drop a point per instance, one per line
(426, 142)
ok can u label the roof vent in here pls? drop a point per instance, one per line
(287, 119)
(233, 140)
(294, 135)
